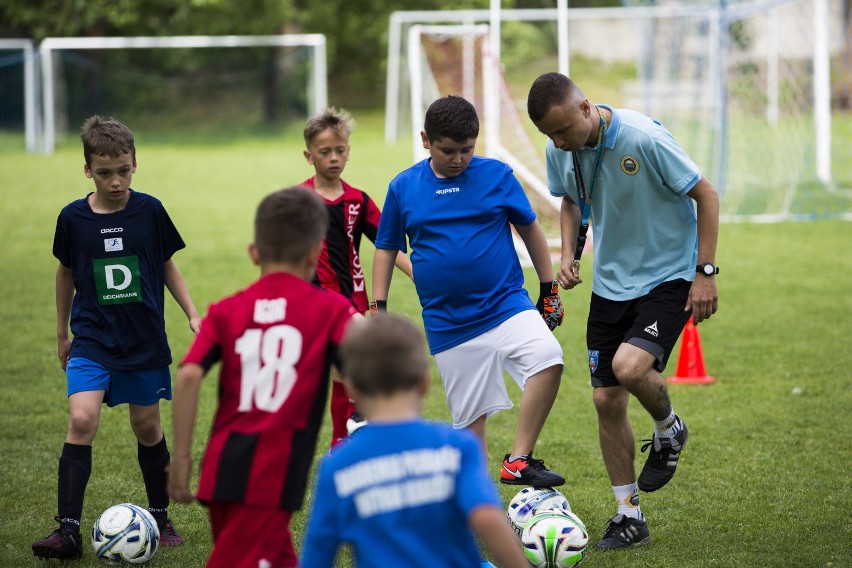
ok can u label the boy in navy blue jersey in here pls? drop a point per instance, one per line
(403, 491)
(457, 211)
(115, 250)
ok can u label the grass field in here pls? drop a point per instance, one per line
(763, 481)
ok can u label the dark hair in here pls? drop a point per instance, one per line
(451, 117)
(337, 119)
(288, 224)
(106, 138)
(548, 91)
(384, 354)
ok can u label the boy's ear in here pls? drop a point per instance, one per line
(425, 139)
(253, 254)
(314, 254)
(308, 157)
(87, 170)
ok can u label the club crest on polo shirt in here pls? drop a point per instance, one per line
(629, 165)
(117, 280)
(594, 357)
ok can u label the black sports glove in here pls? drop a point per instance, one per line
(549, 305)
(377, 306)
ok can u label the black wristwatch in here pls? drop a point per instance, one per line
(707, 269)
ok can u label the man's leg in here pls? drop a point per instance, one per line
(633, 366)
(627, 528)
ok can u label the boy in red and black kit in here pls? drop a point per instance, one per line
(276, 341)
(352, 214)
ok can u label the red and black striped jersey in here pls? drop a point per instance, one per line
(276, 341)
(351, 215)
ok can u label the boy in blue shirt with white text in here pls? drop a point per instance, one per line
(403, 491)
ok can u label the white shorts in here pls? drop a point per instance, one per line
(472, 372)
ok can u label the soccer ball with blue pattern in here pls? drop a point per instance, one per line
(555, 539)
(531, 500)
(125, 533)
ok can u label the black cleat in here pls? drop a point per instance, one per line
(662, 460)
(60, 544)
(528, 471)
(624, 532)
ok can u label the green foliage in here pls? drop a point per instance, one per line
(760, 480)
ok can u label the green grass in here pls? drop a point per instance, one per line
(763, 481)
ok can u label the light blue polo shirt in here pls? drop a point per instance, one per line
(644, 224)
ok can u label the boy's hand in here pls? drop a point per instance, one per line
(63, 350)
(377, 306)
(179, 470)
(549, 305)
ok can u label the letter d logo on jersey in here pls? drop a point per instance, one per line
(117, 280)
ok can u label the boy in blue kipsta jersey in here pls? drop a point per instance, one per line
(115, 250)
(403, 491)
(656, 223)
(457, 211)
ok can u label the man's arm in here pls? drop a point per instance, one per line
(489, 524)
(64, 298)
(383, 263)
(703, 295)
(569, 227)
(177, 286)
(184, 409)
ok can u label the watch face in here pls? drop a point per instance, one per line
(709, 269)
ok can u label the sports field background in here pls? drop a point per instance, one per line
(763, 481)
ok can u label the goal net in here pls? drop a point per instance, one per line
(457, 60)
(738, 84)
(183, 86)
(17, 95)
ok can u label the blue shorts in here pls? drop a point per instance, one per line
(122, 387)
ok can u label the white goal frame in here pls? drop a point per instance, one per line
(721, 15)
(318, 84)
(30, 115)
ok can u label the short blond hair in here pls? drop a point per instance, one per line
(334, 118)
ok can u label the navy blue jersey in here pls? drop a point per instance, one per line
(117, 262)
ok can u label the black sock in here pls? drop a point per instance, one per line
(153, 461)
(75, 467)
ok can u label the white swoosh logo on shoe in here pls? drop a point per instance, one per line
(513, 473)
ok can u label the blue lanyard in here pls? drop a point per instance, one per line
(584, 198)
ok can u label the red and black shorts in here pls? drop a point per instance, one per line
(652, 322)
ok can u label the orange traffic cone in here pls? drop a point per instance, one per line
(690, 364)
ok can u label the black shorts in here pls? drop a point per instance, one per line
(652, 322)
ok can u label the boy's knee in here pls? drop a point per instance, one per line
(82, 425)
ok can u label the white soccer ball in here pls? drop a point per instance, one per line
(555, 539)
(531, 500)
(125, 533)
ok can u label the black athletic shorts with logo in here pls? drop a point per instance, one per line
(652, 322)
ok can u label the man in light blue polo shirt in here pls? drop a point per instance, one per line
(656, 223)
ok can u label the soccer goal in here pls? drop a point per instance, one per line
(185, 80)
(457, 59)
(18, 96)
(743, 85)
